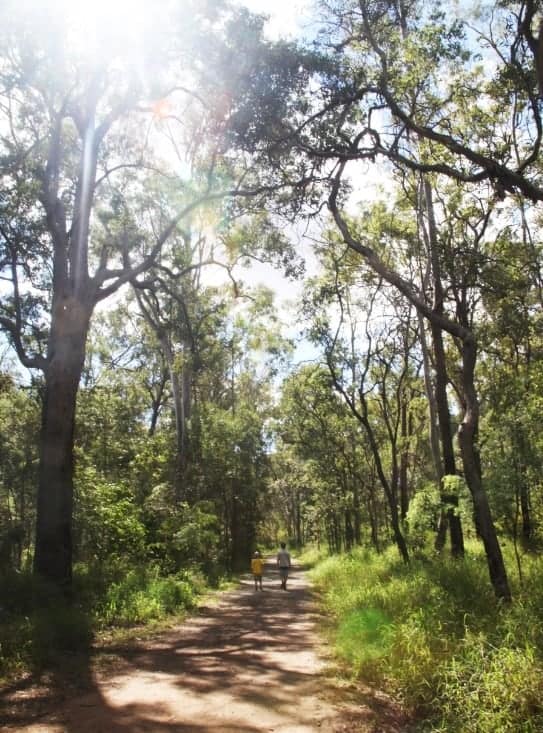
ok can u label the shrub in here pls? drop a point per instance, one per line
(143, 595)
(38, 624)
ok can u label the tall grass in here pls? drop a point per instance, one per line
(39, 625)
(433, 634)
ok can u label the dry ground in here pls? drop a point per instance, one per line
(251, 662)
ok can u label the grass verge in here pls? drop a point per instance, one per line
(39, 626)
(433, 635)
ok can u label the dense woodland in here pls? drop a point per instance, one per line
(152, 412)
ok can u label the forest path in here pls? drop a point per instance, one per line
(245, 664)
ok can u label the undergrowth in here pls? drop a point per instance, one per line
(39, 625)
(433, 634)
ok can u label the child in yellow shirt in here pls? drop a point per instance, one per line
(257, 568)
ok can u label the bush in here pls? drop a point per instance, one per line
(38, 624)
(143, 595)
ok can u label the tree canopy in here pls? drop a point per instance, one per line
(158, 398)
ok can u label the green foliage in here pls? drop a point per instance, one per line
(142, 595)
(432, 634)
(235, 467)
(107, 519)
(182, 534)
(423, 514)
(312, 555)
(425, 507)
(38, 624)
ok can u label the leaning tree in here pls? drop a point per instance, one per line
(405, 84)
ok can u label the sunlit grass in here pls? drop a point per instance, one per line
(433, 635)
(310, 556)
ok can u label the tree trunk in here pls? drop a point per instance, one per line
(356, 512)
(449, 512)
(404, 460)
(298, 519)
(449, 501)
(69, 328)
(179, 470)
(467, 437)
(349, 532)
(523, 486)
(374, 526)
(390, 494)
(527, 533)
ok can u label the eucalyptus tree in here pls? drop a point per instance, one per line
(168, 300)
(318, 428)
(511, 377)
(368, 341)
(179, 307)
(83, 106)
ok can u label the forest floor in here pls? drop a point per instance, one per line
(247, 662)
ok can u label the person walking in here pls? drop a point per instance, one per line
(284, 563)
(257, 569)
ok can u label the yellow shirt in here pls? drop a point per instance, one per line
(257, 565)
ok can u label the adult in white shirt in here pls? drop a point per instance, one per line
(283, 561)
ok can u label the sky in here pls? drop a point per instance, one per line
(287, 17)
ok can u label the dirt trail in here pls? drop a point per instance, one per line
(247, 664)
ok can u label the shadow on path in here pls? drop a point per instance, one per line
(246, 664)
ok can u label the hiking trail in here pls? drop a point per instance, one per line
(248, 662)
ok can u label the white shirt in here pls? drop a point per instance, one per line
(283, 559)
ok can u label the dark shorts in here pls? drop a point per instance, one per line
(283, 572)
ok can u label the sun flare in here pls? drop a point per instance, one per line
(106, 25)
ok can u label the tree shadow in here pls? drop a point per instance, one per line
(249, 647)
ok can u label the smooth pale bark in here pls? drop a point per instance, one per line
(449, 513)
(406, 434)
(181, 386)
(430, 396)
